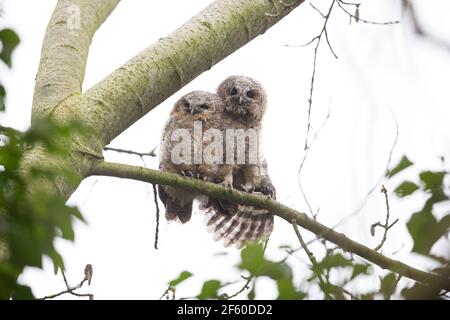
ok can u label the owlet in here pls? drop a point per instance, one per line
(182, 147)
(245, 104)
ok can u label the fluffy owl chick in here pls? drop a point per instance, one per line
(245, 104)
(181, 149)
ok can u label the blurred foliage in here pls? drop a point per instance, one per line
(423, 226)
(30, 222)
(9, 41)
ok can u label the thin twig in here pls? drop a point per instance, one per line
(368, 194)
(166, 293)
(71, 290)
(386, 225)
(152, 153)
(313, 76)
(377, 183)
(246, 286)
(350, 3)
(357, 18)
(318, 10)
(305, 156)
(155, 200)
(311, 258)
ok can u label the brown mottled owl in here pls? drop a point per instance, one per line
(181, 149)
(245, 104)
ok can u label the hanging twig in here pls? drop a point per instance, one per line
(155, 197)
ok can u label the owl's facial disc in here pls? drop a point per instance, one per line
(242, 98)
(194, 107)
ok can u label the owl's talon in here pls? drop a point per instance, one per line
(247, 188)
(183, 173)
(228, 186)
(268, 190)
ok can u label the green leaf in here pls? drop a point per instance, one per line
(21, 292)
(406, 188)
(58, 263)
(333, 261)
(420, 292)
(210, 289)
(287, 290)
(402, 165)
(275, 270)
(10, 40)
(2, 98)
(388, 285)
(359, 269)
(432, 180)
(8, 278)
(367, 296)
(251, 294)
(426, 230)
(419, 226)
(252, 258)
(182, 277)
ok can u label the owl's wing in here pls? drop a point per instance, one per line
(240, 224)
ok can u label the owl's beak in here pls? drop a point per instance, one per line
(195, 109)
(243, 100)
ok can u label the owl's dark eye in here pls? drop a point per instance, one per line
(187, 105)
(204, 106)
(233, 91)
(251, 94)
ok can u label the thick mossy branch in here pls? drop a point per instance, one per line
(288, 214)
(65, 51)
(159, 71)
(142, 83)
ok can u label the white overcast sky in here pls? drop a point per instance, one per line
(381, 71)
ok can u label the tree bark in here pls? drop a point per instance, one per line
(284, 212)
(65, 51)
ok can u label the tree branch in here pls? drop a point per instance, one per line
(284, 212)
(140, 154)
(65, 51)
(157, 72)
(119, 100)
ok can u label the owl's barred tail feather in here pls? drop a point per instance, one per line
(247, 224)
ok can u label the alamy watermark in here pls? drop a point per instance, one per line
(214, 146)
(74, 17)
